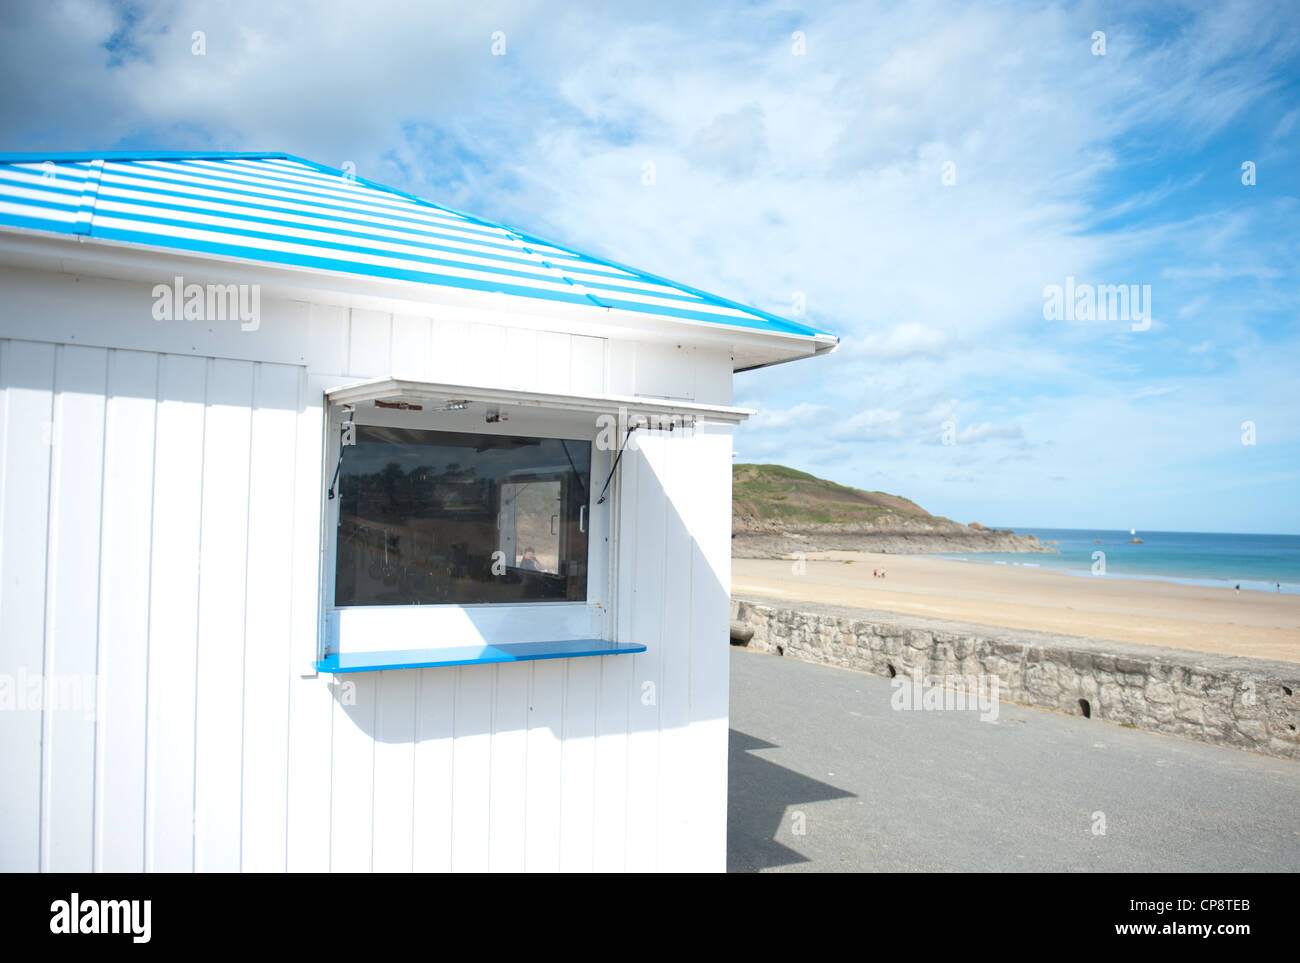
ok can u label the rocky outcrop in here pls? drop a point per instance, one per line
(898, 536)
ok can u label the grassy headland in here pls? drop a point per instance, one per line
(777, 510)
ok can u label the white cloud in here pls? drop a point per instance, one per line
(804, 413)
(902, 341)
(986, 431)
(732, 144)
(777, 173)
(872, 425)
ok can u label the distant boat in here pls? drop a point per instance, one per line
(1132, 531)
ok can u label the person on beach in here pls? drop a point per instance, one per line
(1238, 588)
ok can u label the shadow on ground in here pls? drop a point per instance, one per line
(759, 794)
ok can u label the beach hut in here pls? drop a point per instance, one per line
(343, 531)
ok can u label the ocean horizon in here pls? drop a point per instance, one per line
(1258, 563)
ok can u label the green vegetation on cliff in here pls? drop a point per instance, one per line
(773, 495)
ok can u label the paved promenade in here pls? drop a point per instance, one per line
(819, 749)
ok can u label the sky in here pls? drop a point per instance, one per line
(915, 177)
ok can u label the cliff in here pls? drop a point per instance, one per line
(777, 510)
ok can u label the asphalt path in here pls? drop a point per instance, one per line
(826, 776)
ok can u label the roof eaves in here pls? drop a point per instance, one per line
(788, 326)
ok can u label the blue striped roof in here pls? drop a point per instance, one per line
(282, 209)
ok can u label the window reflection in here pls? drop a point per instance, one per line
(428, 517)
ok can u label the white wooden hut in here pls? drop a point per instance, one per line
(313, 551)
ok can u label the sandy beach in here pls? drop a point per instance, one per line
(1258, 624)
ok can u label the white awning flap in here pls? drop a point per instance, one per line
(429, 394)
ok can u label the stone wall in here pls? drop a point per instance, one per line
(1245, 703)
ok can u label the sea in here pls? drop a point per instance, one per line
(1257, 563)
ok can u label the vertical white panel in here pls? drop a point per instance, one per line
(708, 513)
(509, 768)
(554, 361)
(578, 766)
(395, 771)
(677, 474)
(72, 601)
(124, 610)
(370, 343)
(173, 612)
(310, 782)
(268, 618)
(643, 523)
(611, 820)
(447, 351)
(327, 344)
(411, 345)
(310, 702)
(545, 752)
(480, 361)
(223, 551)
(287, 339)
(352, 794)
(587, 365)
(431, 839)
(472, 768)
(620, 367)
(520, 362)
(619, 691)
(665, 370)
(27, 376)
(713, 377)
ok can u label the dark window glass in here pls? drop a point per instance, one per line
(429, 517)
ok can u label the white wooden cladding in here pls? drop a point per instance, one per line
(160, 534)
(356, 343)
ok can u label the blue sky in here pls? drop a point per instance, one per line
(821, 174)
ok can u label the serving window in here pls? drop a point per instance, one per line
(465, 525)
(429, 517)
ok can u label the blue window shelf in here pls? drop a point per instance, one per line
(472, 655)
